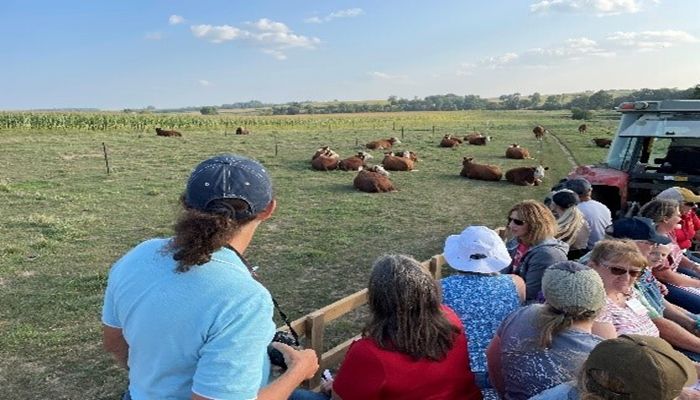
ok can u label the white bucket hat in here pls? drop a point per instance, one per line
(476, 249)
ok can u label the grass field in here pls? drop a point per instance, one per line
(65, 220)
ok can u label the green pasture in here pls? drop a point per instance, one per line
(65, 220)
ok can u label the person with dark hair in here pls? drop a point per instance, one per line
(186, 315)
(412, 347)
(542, 345)
(572, 224)
(596, 213)
(630, 367)
(533, 247)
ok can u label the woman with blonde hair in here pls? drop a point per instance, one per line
(571, 223)
(533, 246)
(619, 264)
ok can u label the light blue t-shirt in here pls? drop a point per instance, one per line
(527, 368)
(204, 331)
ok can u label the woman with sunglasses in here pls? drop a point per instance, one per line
(690, 222)
(679, 273)
(619, 264)
(533, 247)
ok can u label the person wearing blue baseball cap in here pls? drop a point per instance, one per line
(185, 315)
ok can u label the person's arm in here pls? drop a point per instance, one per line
(676, 335)
(675, 278)
(606, 330)
(493, 360)
(690, 264)
(680, 316)
(534, 269)
(519, 286)
(113, 342)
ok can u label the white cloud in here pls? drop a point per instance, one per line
(385, 76)
(175, 19)
(650, 40)
(596, 7)
(204, 82)
(348, 13)
(271, 36)
(153, 36)
(215, 34)
(499, 61)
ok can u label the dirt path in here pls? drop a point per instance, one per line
(569, 155)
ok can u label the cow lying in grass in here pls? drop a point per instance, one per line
(602, 142)
(356, 162)
(516, 152)
(526, 176)
(162, 132)
(450, 141)
(478, 140)
(394, 163)
(373, 180)
(382, 144)
(325, 159)
(242, 131)
(406, 154)
(484, 172)
(326, 151)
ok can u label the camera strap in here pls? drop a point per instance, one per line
(255, 276)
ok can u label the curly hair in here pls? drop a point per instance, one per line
(618, 251)
(198, 234)
(540, 221)
(659, 209)
(405, 307)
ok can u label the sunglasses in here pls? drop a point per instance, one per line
(617, 271)
(516, 221)
(689, 204)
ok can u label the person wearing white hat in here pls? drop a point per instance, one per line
(480, 296)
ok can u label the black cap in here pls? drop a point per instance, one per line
(636, 228)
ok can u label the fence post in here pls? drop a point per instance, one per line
(433, 129)
(104, 149)
(435, 266)
(402, 132)
(314, 335)
(393, 126)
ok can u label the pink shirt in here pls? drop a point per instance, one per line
(626, 320)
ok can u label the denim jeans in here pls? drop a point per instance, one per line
(304, 394)
(684, 299)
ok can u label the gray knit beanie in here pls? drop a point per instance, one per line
(573, 288)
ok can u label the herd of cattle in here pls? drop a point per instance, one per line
(375, 178)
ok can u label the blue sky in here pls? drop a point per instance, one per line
(176, 53)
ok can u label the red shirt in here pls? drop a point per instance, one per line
(371, 373)
(690, 223)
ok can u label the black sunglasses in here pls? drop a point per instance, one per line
(516, 221)
(621, 271)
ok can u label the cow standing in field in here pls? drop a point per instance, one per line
(526, 176)
(373, 180)
(484, 172)
(242, 131)
(449, 141)
(516, 152)
(162, 132)
(582, 128)
(539, 132)
(602, 142)
(382, 144)
(355, 163)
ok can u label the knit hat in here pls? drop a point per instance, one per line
(649, 368)
(229, 176)
(476, 249)
(565, 198)
(571, 287)
(679, 194)
(580, 186)
(636, 228)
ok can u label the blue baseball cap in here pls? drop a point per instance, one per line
(636, 228)
(229, 176)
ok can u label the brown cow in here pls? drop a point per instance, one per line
(526, 176)
(472, 135)
(516, 152)
(242, 131)
(582, 128)
(373, 180)
(324, 163)
(394, 163)
(382, 144)
(449, 141)
(407, 154)
(539, 132)
(355, 163)
(326, 151)
(484, 172)
(601, 142)
(479, 140)
(161, 132)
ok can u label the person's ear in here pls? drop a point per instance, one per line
(268, 211)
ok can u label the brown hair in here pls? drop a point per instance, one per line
(551, 321)
(598, 384)
(659, 209)
(405, 307)
(198, 234)
(618, 251)
(540, 221)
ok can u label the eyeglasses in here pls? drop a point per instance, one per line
(516, 221)
(689, 204)
(618, 271)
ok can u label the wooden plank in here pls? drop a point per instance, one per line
(436, 263)
(314, 334)
(345, 305)
(333, 357)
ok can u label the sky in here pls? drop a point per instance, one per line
(174, 53)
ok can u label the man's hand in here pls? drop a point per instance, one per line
(302, 362)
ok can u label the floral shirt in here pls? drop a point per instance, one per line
(630, 318)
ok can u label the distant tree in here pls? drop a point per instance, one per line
(552, 103)
(600, 100)
(578, 113)
(696, 92)
(510, 101)
(535, 98)
(208, 110)
(580, 101)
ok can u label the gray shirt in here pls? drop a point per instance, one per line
(598, 217)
